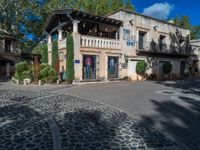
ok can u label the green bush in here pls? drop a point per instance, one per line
(167, 67)
(47, 74)
(70, 58)
(23, 70)
(141, 67)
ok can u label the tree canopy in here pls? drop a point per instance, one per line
(27, 18)
(185, 22)
(182, 21)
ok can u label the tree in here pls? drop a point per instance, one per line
(195, 32)
(54, 53)
(70, 58)
(42, 50)
(183, 21)
(28, 18)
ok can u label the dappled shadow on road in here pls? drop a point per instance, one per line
(23, 128)
(190, 86)
(181, 122)
(92, 129)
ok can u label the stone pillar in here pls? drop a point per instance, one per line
(60, 36)
(103, 66)
(49, 50)
(7, 69)
(116, 34)
(75, 26)
(77, 54)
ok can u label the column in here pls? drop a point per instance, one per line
(103, 64)
(77, 54)
(75, 26)
(60, 36)
(49, 49)
(7, 69)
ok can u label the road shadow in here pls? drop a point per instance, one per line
(4, 79)
(23, 128)
(188, 86)
(91, 129)
(181, 122)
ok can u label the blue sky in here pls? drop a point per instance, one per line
(167, 9)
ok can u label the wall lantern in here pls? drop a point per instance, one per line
(155, 27)
(126, 58)
(131, 22)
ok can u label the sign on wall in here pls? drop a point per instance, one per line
(77, 61)
(127, 37)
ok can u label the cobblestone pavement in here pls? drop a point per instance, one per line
(48, 121)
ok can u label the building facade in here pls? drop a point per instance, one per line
(195, 57)
(109, 47)
(9, 55)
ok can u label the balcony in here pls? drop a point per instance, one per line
(97, 42)
(161, 48)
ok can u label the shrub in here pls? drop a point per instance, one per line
(141, 67)
(23, 70)
(70, 58)
(47, 74)
(167, 68)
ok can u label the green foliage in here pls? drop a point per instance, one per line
(141, 67)
(23, 70)
(29, 17)
(167, 67)
(70, 58)
(42, 50)
(183, 21)
(195, 32)
(54, 52)
(47, 74)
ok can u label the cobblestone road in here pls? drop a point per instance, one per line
(47, 121)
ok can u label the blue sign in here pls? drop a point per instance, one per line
(77, 61)
(130, 43)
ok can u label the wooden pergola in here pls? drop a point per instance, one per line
(88, 24)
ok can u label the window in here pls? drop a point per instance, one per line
(113, 63)
(126, 34)
(141, 40)
(89, 67)
(162, 43)
(8, 45)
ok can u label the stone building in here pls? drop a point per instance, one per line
(195, 56)
(9, 55)
(108, 47)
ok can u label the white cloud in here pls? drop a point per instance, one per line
(159, 10)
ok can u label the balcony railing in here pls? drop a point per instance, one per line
(97, 42)
(161, 48)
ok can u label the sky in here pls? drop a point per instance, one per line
(168, 9)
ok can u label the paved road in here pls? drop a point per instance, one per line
(173, 108)
(47, 121)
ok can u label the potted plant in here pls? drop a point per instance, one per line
(167, 68)
(141, 69)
